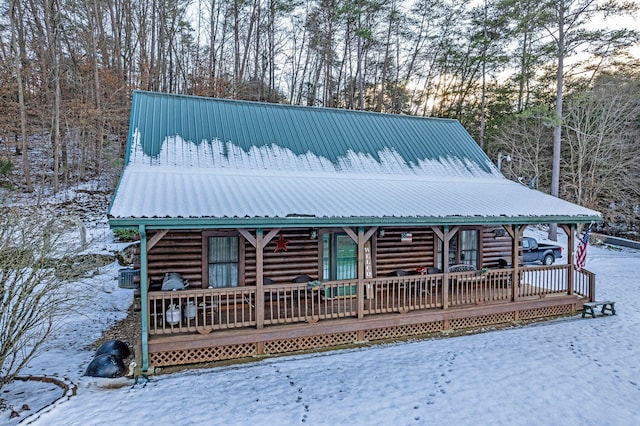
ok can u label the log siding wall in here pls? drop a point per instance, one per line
(300, 258)
(495, 248)
(185, 252)
(178, 251)
(391, 254)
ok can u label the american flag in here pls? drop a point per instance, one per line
(581, 252)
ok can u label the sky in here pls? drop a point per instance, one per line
(631, 22)
(566, 371)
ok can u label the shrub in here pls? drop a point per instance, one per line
(34, 291)
(6, 168)
(126, 234)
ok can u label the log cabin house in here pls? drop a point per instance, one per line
(283, 228)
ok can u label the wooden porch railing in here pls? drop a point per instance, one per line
(290, 303)
(584, 284)
(201, 310)
(543, 280)
(206, 310)
(480, 286)
(402, 294)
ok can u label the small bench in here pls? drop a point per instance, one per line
(589, 308)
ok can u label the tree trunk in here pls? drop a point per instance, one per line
(236, 46)
(96, 82)
(359, 77)
(385, 62)
(483, 98)
(557, 130)
(52, 28)
(18, 46)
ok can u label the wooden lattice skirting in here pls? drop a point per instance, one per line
(340, 338)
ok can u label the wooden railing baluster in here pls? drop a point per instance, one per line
(206, 310)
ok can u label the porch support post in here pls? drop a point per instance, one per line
(259, 279)
(259, 242)
(445, 267)
(144, 298)
(360, 288)
(360, 239)
(570, 230)
(516, 235)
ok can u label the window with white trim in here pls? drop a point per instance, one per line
(222, 260)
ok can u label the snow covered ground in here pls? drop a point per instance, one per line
(567, 371)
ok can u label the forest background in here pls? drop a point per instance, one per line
(549, 89)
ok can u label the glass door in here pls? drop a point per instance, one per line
(339, 257)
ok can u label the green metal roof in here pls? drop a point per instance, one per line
(325, 132)
(205, 162)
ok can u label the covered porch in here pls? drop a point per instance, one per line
(218, 324)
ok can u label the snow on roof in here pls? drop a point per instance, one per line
(212, 179)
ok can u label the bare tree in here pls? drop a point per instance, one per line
(96, 81)
(52, 20)
(526, 137)
(600, 132)
(566, 26)
(34, 286)
(18, 47)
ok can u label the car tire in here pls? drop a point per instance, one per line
(548, 260)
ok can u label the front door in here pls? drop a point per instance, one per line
(340, 257)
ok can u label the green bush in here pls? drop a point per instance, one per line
(125, 234)
(5, 167)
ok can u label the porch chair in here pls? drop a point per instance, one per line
(299, 280)
(270, 296)
(502, 263)
(413, 286)
(436, 283)
(462, 268)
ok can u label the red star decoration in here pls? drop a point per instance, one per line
(281, 244)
